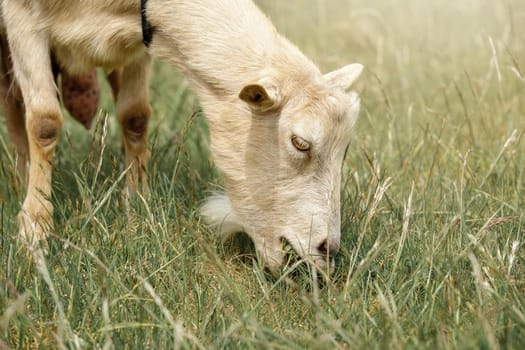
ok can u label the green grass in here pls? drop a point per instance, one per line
(433, 205)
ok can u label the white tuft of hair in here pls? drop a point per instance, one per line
(218, 213)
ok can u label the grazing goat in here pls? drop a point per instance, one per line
(279, 129)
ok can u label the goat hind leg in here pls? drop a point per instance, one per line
(13, 108)
(133, 112)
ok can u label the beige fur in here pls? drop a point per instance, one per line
(278, 127)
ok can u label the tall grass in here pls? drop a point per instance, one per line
(433, 205)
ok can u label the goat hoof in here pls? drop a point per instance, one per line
(33, 232)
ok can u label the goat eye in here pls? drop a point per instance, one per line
(300, 144)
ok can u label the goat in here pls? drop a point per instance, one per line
(279, 128)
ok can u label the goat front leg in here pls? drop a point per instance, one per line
(32, 69)
(133, 112)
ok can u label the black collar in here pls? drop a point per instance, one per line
(147, 28)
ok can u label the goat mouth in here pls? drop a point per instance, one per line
(301, 268)
(292, 258)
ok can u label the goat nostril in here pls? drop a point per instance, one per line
(328, 249)
(323, 248)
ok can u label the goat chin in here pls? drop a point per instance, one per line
(218, 213)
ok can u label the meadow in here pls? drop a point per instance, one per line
(433, 205)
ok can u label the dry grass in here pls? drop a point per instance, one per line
(433, 205)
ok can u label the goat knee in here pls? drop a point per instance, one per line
(45, 128)
(135, 126)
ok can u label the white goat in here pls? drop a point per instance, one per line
(279, 128)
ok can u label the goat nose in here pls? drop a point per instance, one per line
(328, 248)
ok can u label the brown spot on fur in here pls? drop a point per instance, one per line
(46, 129)
(135, 127)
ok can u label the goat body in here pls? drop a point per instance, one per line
(279, 128)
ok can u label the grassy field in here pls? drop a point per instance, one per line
(433, 247)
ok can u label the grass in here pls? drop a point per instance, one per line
(433, 205)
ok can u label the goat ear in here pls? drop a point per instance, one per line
(260, 97)
(343, 78)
